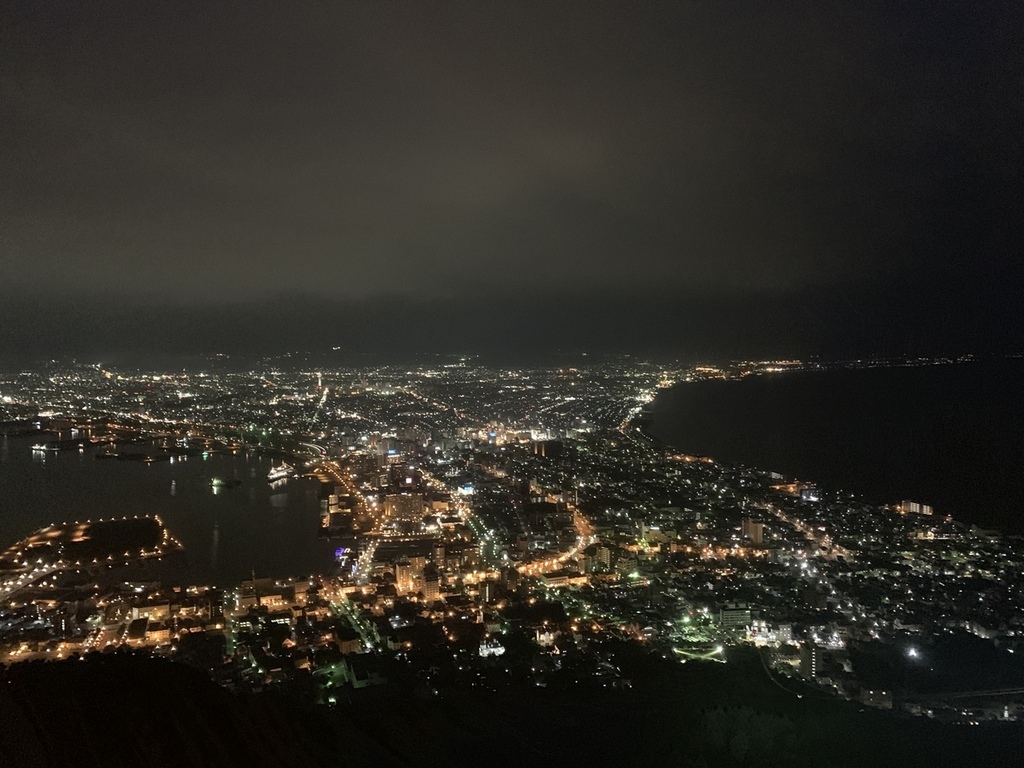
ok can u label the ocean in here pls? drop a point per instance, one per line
(949, 435)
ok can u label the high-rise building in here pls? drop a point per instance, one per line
(735, 616)
(404, 507)
(488, 591)
(404, 576)
(510, 578)
(431, 583)
(753, 530)
(216, 605)
(811, 658)
(914, 508)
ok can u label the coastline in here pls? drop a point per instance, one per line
(857, 426)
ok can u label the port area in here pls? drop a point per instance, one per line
(83, 546)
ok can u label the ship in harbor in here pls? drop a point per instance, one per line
(58, 445)
(282, 472)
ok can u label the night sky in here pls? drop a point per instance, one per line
(689, 179)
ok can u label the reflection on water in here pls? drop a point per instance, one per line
(227, 531)
(214, 547)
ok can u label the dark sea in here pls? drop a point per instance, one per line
(948, 435)
(226, 532)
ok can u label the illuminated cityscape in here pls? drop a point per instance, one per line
(498, 527)
(513, 384)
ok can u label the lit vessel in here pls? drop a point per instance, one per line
(279, 473)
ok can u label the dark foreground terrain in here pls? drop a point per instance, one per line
(134, 710)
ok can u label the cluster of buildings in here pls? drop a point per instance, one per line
(496, 526)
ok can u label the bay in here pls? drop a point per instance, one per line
(227, 532)
(950, 435)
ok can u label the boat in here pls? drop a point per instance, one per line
(280, 473)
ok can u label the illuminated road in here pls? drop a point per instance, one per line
(364, 563)
(490, 546)
(823, 544)
(584, 538)
(367, 632)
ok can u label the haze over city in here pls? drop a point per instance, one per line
(680, 178)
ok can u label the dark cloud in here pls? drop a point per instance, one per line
(225, 154)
